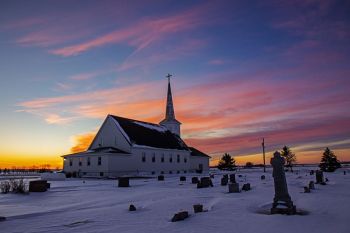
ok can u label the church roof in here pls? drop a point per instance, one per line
(150, 135)
(105, 150)
(195, 152)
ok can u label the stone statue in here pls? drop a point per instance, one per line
(282, 203)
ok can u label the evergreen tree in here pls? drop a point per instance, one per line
(329, 162)
(289, 157)
(227, 162)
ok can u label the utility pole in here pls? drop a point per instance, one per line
(263, 146)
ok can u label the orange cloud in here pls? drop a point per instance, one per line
(82, 142)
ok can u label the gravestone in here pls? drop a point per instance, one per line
(205, 182)
(132, 208)
(233, 178)
(123, 182)
(311, 185)
(38, 186)
(224, 181)
(180, 216)
(195, 180)
(282, 203)
(233, 188)
(246, 187)
(182, 178)
(319, 177)
(198, 208)
(262, 177)
(306, 189)
(161, 178)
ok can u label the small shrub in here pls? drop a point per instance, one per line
(5, 187)
(18, 186)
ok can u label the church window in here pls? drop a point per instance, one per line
(178, 158)
(88, 161)
(154, 158)
(80, 161)
(70, 162)
(162, 159)
(171, 158)
(143, 157)
(99, 161)
(185, 160)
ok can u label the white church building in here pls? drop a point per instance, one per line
(125, 146)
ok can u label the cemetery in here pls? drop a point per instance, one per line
(244, 202)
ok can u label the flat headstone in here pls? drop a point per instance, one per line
(38, 186)
(224, 181)
(233, 188)
(132, 208)
(195, 180)
(160, 178)
(182, 178)
(233, 178)
(123, 182)
(198, 208)
(180, 216)
(246, 187)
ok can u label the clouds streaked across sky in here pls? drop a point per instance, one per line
(242, 71)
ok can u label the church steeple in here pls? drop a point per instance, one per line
(169, 113)
(170, 121)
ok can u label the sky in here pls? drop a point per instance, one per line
(242, 71)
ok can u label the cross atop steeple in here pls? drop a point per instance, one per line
(169, 76)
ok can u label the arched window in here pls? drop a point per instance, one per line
(154, 158)
(178, 158)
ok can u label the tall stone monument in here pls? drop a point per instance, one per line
(282, 203)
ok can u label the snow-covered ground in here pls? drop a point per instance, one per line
(100, 206)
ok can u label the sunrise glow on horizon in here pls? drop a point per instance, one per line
(242, 71)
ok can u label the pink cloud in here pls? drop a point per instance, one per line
(140, 35)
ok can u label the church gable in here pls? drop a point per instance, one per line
(111, 135)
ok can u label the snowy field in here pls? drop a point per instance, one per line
(100, 206)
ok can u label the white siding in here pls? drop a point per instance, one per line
(84, 169)
(109, 135)
(197, 160)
